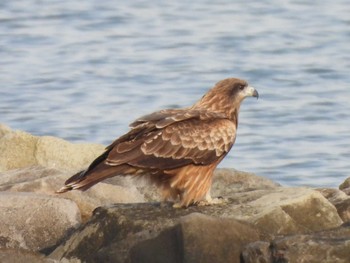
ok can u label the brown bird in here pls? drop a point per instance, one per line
(177, 149)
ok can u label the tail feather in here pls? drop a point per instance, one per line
(85, 179)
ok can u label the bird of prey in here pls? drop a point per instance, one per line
(177, 149)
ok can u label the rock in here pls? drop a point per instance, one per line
(195, 239)
(47, 180)
(4, 129)
(14, 177)
(20, 149)
(133, 233)
(22, 256)
(17, 149)
(333, 195)
(33, 222)
(340, 200)
(57, 153)
(345, 186)
(226, 181)
(118, 189)
(325, 246)
(286, 210)
(118, 231)
(343, 209)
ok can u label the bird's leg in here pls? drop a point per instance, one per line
(208, 200)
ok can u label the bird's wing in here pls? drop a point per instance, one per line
(175, 142)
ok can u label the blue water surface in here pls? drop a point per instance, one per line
(83, 70)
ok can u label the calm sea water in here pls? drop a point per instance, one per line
(83, 70)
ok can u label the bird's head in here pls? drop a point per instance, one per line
(234, 89)
(227, 95)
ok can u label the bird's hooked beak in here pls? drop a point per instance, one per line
(250, 91)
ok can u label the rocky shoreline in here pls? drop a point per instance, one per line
(122, 220)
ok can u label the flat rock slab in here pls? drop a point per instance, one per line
(124, 233)
(33, 222)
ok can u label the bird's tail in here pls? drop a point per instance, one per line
(85, 179)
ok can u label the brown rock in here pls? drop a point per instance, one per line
(257, 252)
(326, 246)
(196, 238)
(227, 181)
(343, 209)
(345, 186)
(208, 239)
(118, 232)
(135, 233)
(340, 200)
(14, 177)
(20, 149)
(333, 195)
(22, 256)
(17, 150)
(120, 189)
(56, 153)
(121, 226)
(288, 210)
(34, 222)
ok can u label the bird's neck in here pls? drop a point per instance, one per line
(229, 109)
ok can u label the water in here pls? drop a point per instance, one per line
(83, 70)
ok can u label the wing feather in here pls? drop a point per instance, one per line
(189, 141)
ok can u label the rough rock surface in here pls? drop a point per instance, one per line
(135, 233)
(19, 149)
(33, 222)
(114, 233)
(326, 246)
(340, 200)
(46, 181)
(345, 186)
(292, 210)
(22, 256)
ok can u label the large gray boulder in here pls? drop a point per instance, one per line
(33, 222)
(46, 181)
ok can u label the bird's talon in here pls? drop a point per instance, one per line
(214, 201)
(177, 205)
